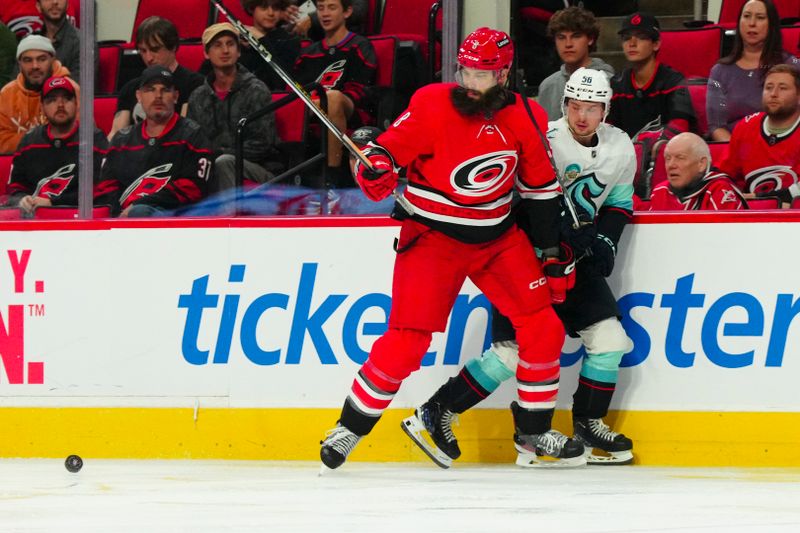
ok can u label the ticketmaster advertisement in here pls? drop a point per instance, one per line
(282, 315)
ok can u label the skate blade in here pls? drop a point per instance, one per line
(527, 459)
(415, 429)
(608, 458)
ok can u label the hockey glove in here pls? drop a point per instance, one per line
(560, 273)
(379, 181)
(785, 196)
(579, 239)
(601, 255)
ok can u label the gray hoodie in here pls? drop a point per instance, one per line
(551, 90)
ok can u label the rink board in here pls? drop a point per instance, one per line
(238, 338)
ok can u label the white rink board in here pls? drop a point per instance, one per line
(112, 331)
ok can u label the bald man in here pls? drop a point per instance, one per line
(692, 183)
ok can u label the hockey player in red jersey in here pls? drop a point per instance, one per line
(466, 146)
(764, 154)
(691, 182)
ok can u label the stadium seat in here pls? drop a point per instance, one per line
(698, 87)
(796, 203)
(109, 60)
(5, 172)
(692, 52)
(389, 101)
(764, 203)
(236, 9)
(290, 119)
(791, 39)
(719, 151)
(536, 14)
(191, 55)
(788, 11)
(189, 16)
(410, 20)
(104, 109)
(10, 213)
(68, 213)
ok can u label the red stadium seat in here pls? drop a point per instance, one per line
(386, 52)
(5, 172)
(692, 52)
(104, 109)
(109, 60)
(796, 203)
(698, 87)
(68, 213)
(729, 11)
(409, 20)
(191, 55)
(236, 9)
(536, 14)
(764, 203)
(719, 151)
(290, 119)
(791, 39)
(189, 16)
(10, 213)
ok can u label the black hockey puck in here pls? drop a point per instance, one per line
(73, 463)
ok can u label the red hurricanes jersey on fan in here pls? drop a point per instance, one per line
(462, 170)
(759, 162)
(22, 17)
(717, 193)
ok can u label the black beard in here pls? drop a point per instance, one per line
(782, 113)
(487, 104)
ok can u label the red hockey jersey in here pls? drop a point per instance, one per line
(715, 192)
(22, 17)
(462, 170)
(759, 162)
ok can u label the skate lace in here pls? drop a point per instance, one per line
(551, 442)
(446, 424)
(341, 439)
(601, 429)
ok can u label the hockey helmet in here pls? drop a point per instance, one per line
(588, 85)
(486, 49)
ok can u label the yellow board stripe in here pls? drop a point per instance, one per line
(660, 438)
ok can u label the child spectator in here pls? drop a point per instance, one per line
(284, 47)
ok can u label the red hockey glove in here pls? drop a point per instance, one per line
(379, 181)
(560, 273)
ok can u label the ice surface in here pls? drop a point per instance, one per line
(229, 496)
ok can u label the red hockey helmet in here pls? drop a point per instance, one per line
(486, 49)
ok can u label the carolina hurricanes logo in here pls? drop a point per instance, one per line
(767, 179)
(25, 25)
(148, 183)
(54, 185)
(484, 174)
(636, 20)
(331, 75)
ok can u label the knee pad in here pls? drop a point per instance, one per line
(605, 336)
(399, 352)
(496, 365)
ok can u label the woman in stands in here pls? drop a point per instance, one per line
(736, 81)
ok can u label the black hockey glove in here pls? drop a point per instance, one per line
(601, 255)
(783, 195)
(579, 239)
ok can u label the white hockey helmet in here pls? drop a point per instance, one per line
(588, 85)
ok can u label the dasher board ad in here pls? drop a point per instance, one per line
(269, 314)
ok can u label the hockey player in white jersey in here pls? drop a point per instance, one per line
(598, 164)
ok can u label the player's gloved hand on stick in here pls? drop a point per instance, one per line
(379, 181)
(580, 239)
(560, 273)
(785, 196)
(602, 254)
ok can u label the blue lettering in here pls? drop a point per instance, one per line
(462, 310)
(249, 331)
(785, 311)
(353, 319)
(752, 327)
(229, 309)
(680, 302)
(303, 320)
(637, 334)
(194, 303)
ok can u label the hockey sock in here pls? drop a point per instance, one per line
(371, 393)
(530, 422)
(596, 384)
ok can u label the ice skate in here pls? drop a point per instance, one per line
(338, 444)
(549, 449)
(431, 429)
(595, 435)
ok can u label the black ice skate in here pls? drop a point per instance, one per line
(549, 449)
(431, 429)
(338, 444)
(594, 434)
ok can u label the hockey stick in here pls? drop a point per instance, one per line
(576, 223)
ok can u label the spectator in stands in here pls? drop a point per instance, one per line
(764, 153)
(161, 165)
(304, 21)
(344, 63)
(20, 99)
(8, 47)
(45, 169)
(648, 95)
(575, 32)
(735, 82)
(157, 42)
(692, 183)
(62, 33)
(230, 93)
(23, 17)
(284, 47)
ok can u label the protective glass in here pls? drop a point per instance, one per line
(475, 79)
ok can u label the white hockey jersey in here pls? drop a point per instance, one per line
(596, 176)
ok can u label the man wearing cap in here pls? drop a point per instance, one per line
(45, 170)
(20, 99)
(231, 92)
(648, 95)
(158, 165)
(157, 42)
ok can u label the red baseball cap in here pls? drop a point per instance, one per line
(57, 83)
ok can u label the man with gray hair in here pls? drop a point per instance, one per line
(692, 183)
(20, 99)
